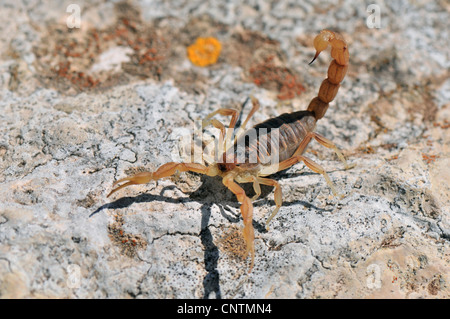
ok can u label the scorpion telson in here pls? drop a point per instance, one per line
(295, 131)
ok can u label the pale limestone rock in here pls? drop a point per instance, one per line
(62, 146)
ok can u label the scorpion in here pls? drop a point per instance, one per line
(295, 130)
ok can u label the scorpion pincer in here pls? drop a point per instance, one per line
(295, 131)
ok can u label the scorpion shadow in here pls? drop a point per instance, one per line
(208, 195)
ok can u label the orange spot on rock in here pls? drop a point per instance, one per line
(205, 51)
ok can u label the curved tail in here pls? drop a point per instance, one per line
(336, 71)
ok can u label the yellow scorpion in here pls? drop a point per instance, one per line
(295, 131)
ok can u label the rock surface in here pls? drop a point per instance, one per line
(83, 107)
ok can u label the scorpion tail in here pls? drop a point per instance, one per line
(336, 71)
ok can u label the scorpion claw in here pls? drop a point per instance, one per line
(119, 187)
(141, 178)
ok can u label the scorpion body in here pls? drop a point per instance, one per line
(295, 131)
(292, 128)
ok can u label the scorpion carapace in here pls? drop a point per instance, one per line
(294, 132)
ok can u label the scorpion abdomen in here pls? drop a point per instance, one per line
(274, 139)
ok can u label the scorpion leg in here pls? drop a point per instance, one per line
(163, 171)
(255, 108)
(247, 215)
(225, 112)
(312, 166)
(257, 181)
(324, 142)
(256, 187)
(277, 196)
(327, 143)
(219, 125)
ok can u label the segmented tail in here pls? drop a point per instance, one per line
(336, 71)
